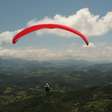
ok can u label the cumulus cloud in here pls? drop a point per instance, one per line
(83, 20)
(6, 37)
(30, 54)
(99, 53)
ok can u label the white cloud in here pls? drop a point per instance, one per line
(83, 20)
(6, 37)
(95, 53)
(30, 54)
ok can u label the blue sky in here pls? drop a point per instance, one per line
(15, 14)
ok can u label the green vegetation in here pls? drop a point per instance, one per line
(32, 100)
(76, 86)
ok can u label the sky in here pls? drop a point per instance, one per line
(92, 17)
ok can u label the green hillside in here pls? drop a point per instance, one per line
(94, 99)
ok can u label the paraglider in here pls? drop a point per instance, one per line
(48, 26)
(47, 88)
